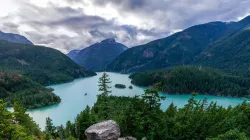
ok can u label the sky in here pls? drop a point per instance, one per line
(74, 24)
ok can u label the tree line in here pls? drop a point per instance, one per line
(138, 117)
(187, 79)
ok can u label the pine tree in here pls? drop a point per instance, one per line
(103, 84)
(104, 88)
(50, 129)
(83, 121)
(24, 120)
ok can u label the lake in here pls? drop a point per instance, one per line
(74, 99)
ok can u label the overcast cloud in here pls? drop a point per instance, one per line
(74, 24)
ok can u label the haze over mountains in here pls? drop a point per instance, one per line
(98, 55)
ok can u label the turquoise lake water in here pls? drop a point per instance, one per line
(74, 99)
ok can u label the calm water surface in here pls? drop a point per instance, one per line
(74, 99)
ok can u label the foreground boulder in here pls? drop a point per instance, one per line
(127, 138)
(107, 130)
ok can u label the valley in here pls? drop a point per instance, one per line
(185, 85)
(74, 99)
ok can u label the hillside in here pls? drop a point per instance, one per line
(184, 48)
(97, 56)
(231, 54)
(189, 79)
(14, 38)
(15, 87)
(177, 49)
(41, 64)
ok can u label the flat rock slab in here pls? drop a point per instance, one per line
(107, 130)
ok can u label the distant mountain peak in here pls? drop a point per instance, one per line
(97, 56)
(14, 38)
(108, 41)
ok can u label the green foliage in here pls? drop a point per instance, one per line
(17, 125)
(104, 80)
(24, 120)
(232, 135)
(41, 64)
(82, 122)
(195, 121)
(187, 79)
(15, 87)
(104, 87)
(50, 129)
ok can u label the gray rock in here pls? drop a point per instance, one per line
(127, 138)
(107, 130)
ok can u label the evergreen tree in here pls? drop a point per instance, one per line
(103, 84)
(83, 121)
(104, 87)
(151, 112)
(50, 129)
(70, 130)
(24, 120)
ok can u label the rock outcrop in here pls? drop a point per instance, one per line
(127, 138)
(107, 130)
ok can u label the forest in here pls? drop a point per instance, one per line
(18, 88)
(188, 79)
(138, 117)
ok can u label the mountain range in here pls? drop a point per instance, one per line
(15, 38)
(41, 64)
(98, 55)
(222, 45)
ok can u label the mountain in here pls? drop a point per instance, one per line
(15, 38)
(231, 54)
(177, 49)
(72, 54)
(188, 79)
(97, 56)
(183, 48)
(41, 64)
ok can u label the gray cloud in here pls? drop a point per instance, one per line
(70, 27)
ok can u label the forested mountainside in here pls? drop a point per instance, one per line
(188, 79)
(98, 55)
(230, 54)
(184, 48)
(15, 38)
(17, 88)
(41, 64)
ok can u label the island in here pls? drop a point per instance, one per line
(121, 86)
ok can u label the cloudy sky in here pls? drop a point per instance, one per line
(74, 24)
